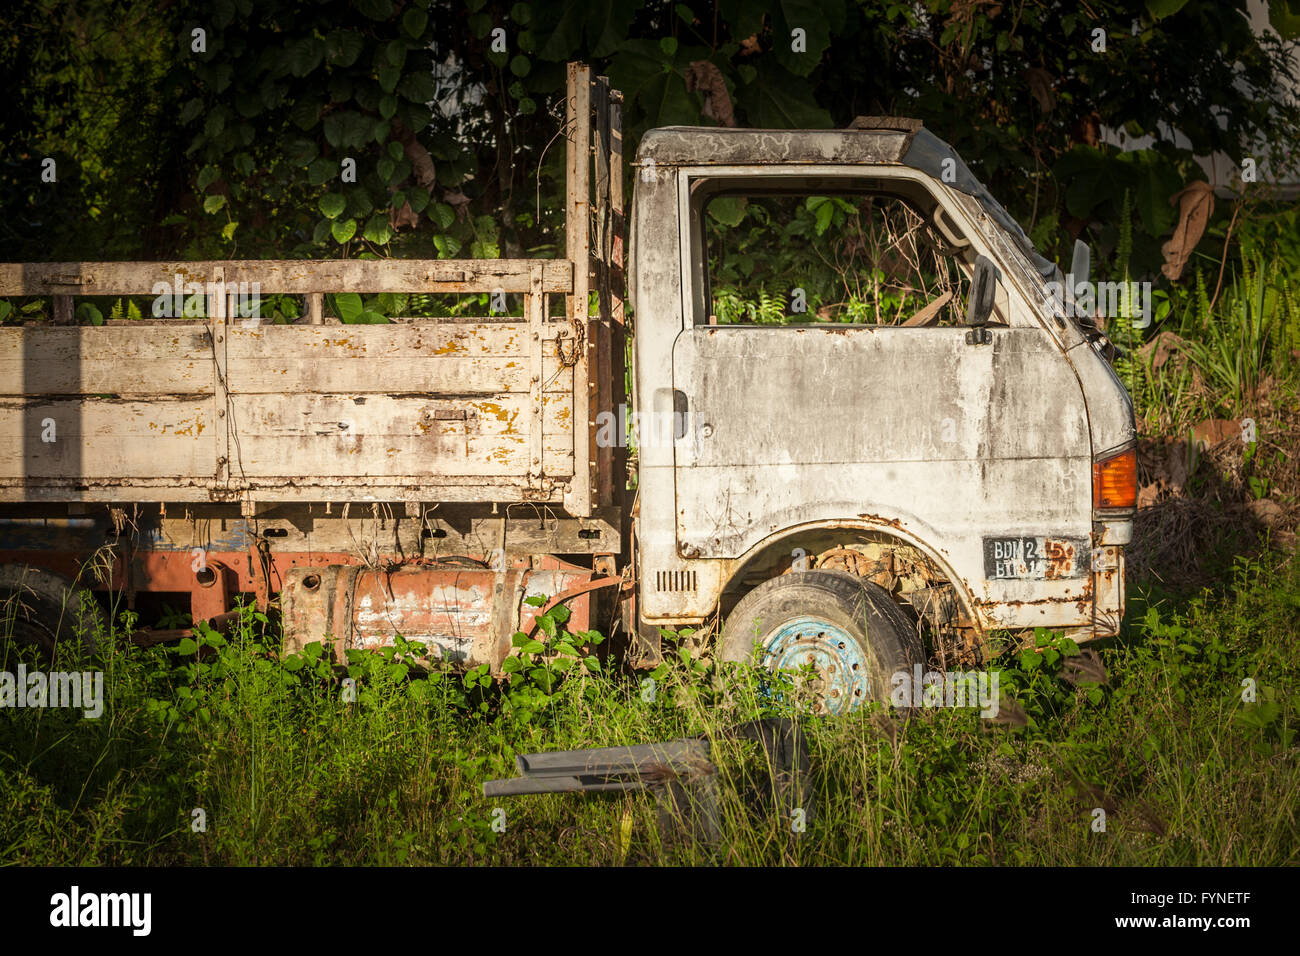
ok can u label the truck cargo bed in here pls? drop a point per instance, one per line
(478, 409)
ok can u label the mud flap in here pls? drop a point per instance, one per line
(1107, 590)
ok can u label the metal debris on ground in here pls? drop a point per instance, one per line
(680, 773)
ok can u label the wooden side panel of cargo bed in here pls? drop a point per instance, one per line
(126, 413)
(120, 404)
(382, 401)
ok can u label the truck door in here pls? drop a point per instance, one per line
(873, 404)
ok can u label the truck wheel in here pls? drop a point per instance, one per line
(849, 630)
(44, 610)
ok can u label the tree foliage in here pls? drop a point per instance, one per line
(450, 110)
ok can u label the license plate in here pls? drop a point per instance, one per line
(1035, 558)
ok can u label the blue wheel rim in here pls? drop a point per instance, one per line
(839, 660)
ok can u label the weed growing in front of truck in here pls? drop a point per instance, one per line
(534, 669)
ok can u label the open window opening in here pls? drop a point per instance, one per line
(800, 251)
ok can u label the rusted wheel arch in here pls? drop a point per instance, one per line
(786, 539)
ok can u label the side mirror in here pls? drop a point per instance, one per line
(1080, 264)
(983, 289)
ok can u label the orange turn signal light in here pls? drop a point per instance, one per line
(1114, 481)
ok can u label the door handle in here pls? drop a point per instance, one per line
(672, 402)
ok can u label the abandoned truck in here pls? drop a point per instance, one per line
(950, 454)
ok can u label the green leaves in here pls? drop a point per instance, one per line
(375, 9)
(378, 230)
(743, 17)
(342, 48)
(86, 312)
(603, 24)
(527, 645)
(1159, 9)
(321, 170)
(417, 87)
(1093, 179)
(775, 100)
(332, 205)
(414, 21)
(352, 310)
(442, 214)
(645, 71)
(304, 54)
(347, 129)
(301, 152)
(814, 18)
(207, 176)
(348, 306)
(343, 230)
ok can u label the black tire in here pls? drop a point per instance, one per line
(834, 620)
(45, 610)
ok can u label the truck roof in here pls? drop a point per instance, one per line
(724, 146)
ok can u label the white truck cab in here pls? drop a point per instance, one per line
(974, 460)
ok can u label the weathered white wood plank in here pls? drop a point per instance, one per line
(290, 276)
(384, 435)
(405, 488)
(101, 439)
(116, 361)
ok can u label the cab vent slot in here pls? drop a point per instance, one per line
(675, 581)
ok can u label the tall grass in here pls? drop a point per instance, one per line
(286, 770)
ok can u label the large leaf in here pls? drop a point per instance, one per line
(814, 18)
(1154, 181)
(602, 23)
(636, 64)
(342, 48)
(777, 100)
(666, 102)
(332, 205)
(646, 71)
(728, 210)
(743, 17)
(349, 306)
(607, 22)
(565, 35)
(320, 170)
(1159, 9)
(416, 87)
(1088, 178)
(305, 113)
(413, 22)
(375, 9)
(343, 230)
(347, 129)
(304, 55)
